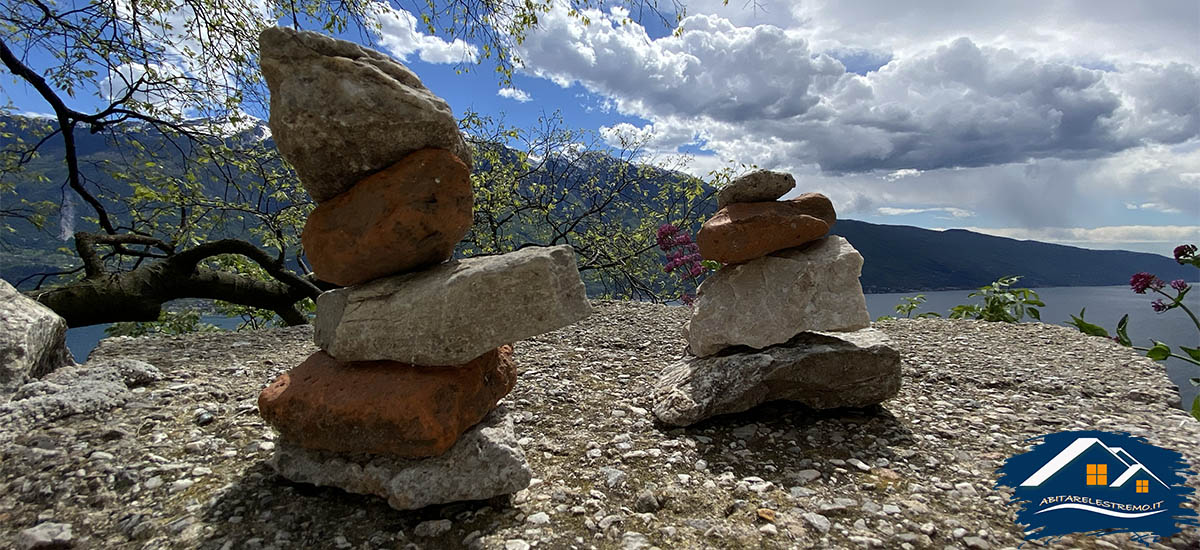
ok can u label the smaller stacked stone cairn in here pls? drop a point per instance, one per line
(784, 319)
(416, 352)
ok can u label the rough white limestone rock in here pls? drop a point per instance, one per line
(454, 312)
(32, 340)
(769, 300)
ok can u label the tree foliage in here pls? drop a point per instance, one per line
(551, 185)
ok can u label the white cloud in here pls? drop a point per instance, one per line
(1114, 30)
(664, 137)
(953, 212)
(399, 34)
(1162, 234)
(766, 96)
(900, 174)
(515, 94)
(1157, 207)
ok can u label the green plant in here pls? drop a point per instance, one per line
(1158, 351)
(169, 322)
(1001, 303)
(907, 306)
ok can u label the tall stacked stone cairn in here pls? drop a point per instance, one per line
(784, 319)
(401, 401)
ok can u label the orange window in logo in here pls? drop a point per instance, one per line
(1097, 474)
(1143, 486)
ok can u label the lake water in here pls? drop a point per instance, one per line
(1105, 306)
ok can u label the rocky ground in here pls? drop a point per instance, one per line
(182, 462)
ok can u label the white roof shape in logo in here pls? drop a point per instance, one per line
(1078, 447)
(1133, 470)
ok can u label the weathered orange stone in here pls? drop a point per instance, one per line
(408, 216)
(741, 232)
(385, 407)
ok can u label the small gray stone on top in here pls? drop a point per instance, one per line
(757, 186)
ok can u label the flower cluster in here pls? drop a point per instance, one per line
(1185, 252)
(683, 258)
(1142, 281)
(681, 250)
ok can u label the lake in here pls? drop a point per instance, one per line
(1105, 306)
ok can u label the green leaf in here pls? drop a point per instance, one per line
(1159, 352)
(1194, 353)
(1086, 327)
(1122, 335)
(1196, 408)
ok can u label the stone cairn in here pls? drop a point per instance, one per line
(401, 401)
(784, 319)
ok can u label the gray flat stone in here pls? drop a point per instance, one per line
(822, 370)
(454, 312)
(485, 462)
(769, 300)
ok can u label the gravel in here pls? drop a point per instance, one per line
(182, 461)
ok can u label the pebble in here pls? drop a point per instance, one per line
(613, 477)
(609, 520)
(819, 522)
(859, 464)
(976, 543)
(432, 528)
(181, 485)
(45, 536)
(806, 476)
(646, 501)
(540, 518)
(632, 540)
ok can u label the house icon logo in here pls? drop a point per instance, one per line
(1098, 483)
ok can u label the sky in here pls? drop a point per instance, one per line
(1068, 122)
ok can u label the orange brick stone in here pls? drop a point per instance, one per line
(385, 407)
(408, 216)
(741, 232)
